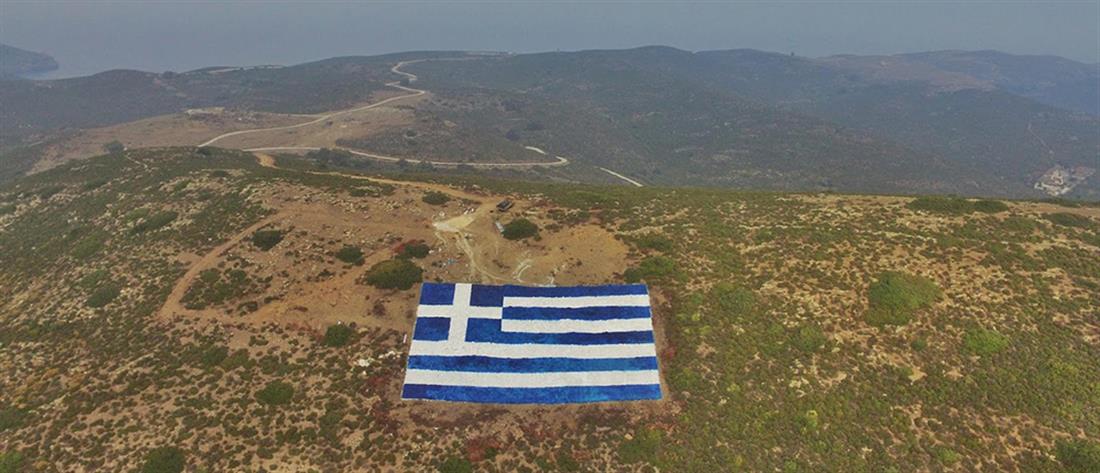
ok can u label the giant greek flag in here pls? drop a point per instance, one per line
(539, 345)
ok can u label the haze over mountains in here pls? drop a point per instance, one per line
(17, 62)
(962, 122)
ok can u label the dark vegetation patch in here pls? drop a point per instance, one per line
(103, 295)
(894, 297)
(398, 273)
(1067, 219)
(436, 198)
(217, 286)
(350, 254)
(164, 460)
(1078, 455)
(984, 342)
(267, 239)
(415, 249)
(276, 393)
(338, 335)
(653, 269)
(956, 205)
(154, 221)
(519, 229)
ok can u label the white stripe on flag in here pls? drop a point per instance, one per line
(531, 380)
(530, 350)
(576, 326)
(579, 301)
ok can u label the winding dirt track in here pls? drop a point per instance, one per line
(396, 69)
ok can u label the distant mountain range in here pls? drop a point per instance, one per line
(963, 122)
(17, 62)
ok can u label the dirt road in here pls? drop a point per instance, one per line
(413, 92)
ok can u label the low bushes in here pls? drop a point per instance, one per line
(894, 296)
(653, 268)
(164, 460)
(154, 222)
(519, 229)
(642, 448)
(103, 295)
(414, 249)
(350, 255)
(984, 342)
(337, 335)
(1078, 456)
(955, 205)
(267, 239)
(276, 393)
(1067, 219)
(394, 274)
(436, 198)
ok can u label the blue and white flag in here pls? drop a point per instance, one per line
(532, 345)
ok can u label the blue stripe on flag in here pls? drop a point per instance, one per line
(488, 330)
(431, 328)
(486, 296)
(488, 364)
(437, 294)
(576, 313)
(575, 291)
(557, 395)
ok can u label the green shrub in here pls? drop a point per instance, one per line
(945, 455)
(93, 279)
(809, 338)
(88, 245)
(394, 274)
(984, 342)
(11, 462)
(154, 222)
(436, 198)
(990, 206)
(895, 296)
(11, 418)
(653, 268)
(7, 209)
(653, 241)
(642, 448)
(956, 205)
(732, 300)
(276, 393)
(1078, 456)
(937, 204)
(214, 287)
(338, 335)
(456, 465)
(1066, 219)
(114, 147)
(103, 295)
(519, 229)
(415, 250)
(350, 254)
(267, 239)
(164, 460)
(214, 356)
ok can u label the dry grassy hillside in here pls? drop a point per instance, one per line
(232, 312)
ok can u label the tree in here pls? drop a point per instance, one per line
(164, 460)
(519, 229)
(114, 147)
(394, 274)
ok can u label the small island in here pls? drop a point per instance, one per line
(19, 62)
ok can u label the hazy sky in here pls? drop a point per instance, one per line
(90, 36)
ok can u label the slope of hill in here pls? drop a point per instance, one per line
(202, 307)
(967, 123)
(121, 96)
(1052, 80)
(17, 62)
